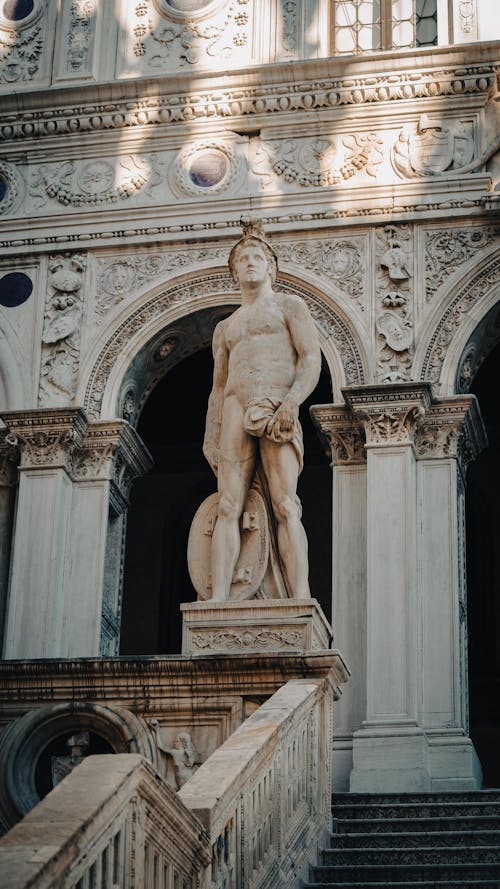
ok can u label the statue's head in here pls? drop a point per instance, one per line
(253, 233)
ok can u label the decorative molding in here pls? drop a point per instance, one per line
(342, 435)
(14, 188)
(102, 111)
(394, 295)
(446, 251)
(466, 297)
(432, 147)
(319, 162)
(186, 293)
(62, 329)
(390, 414)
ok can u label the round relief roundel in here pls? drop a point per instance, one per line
(187, 5)
(208, 168)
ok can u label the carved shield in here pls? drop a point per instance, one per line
(254, 553)
(431, 151)
(398, 335)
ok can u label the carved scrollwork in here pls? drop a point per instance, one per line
(247, 639)
(340, 261)
(94, 182)
(446, 251)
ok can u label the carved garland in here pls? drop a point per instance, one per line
(467, 296)
(187, 293)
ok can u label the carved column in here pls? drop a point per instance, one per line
(344, 437)
(389, 750)
(451, 434)
(66, 473)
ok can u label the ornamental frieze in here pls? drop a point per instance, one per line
(394, 296)
(320, 161)
(95, 182)
(339, 260)
(446, 250)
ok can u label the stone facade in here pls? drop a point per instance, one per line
(131, 142)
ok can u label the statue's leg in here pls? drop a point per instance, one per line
(282, 470)
(234, 473)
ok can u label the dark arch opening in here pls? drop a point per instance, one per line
(163, 504)
(483, 577)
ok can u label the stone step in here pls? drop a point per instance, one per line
(421, 838)
(448, 855)
(455, 796)
(387, 875)
(443, 884)
(463, 824)
(424, 809)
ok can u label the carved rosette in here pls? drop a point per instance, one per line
(46, 438)
(390, 414)
(342, 435)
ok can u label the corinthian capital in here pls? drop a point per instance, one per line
(341, 433)
(46, 437)
(390, 414)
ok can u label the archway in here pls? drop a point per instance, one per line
(163, 504)
(483, 574)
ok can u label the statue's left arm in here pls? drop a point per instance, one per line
(308, 364)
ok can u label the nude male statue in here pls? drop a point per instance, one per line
(266, 362)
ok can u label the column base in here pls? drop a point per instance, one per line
(254, 626)
(405, 759)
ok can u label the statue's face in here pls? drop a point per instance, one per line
(252, 264)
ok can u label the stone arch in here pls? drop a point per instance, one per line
(163, 309)
(462, 310)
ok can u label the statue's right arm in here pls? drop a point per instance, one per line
(216, 400)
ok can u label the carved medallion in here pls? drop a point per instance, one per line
(252, 562)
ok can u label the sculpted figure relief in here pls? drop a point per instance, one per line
(267, 361)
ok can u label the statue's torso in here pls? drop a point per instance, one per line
(262, 357)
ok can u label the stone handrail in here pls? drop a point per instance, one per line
(265, 794)
(252, 815)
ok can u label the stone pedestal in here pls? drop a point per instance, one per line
(258, 625)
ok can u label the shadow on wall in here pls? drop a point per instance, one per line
(163, 504)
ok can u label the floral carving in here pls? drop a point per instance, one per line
(445, 251)
(81, 33)
(319, 162)
(390, 414)
(61, 329)
(231, 640)
(432, 148)
(94, 182)
(340, 261)
(394, 323)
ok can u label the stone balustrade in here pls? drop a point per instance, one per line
(252, 815)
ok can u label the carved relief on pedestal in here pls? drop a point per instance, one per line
(446, 251)
(95, 182)
(431, 148)
(168, 35)
(179, 758)
(318, 162)
(394, 321)
(22, 39)
(341, 261)
(62, 329)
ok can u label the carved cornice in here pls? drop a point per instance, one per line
(46, 438)
(389, 413)
(315, 85)
(341, 433)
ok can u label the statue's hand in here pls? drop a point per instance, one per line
(282, 424)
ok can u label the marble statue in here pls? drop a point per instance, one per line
(267, 361)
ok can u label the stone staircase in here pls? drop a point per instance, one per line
(412, 841)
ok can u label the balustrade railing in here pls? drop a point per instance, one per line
(251, 816)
